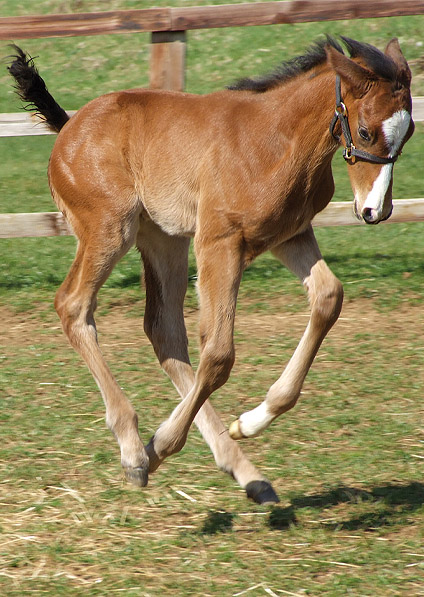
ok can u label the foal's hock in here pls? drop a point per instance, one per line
(243, 171)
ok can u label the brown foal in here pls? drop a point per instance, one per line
(243, 171)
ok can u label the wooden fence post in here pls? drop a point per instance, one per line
(167, 60)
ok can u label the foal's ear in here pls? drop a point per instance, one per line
(394, 52)
(355, 76)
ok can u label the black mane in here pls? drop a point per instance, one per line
(380, 64)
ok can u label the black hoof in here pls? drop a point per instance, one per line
(261, 492)
(137, 476)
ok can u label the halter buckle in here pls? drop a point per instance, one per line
(348, 153)
(341, 109)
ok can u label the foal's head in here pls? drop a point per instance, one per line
(375, 100)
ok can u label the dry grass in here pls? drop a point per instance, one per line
(347, 464)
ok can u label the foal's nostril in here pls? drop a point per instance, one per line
(368, 215)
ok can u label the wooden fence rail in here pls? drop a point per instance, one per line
(202, 17)
(335, 214)
(168, 27)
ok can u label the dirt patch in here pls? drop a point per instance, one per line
(22, 329)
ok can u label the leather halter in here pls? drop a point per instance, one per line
(350, 152)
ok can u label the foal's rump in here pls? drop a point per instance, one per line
(88, 170)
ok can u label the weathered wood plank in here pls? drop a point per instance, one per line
(295, 11)
(19, 124)
(33, 224)
(336, 214)
(93, 23)
(167, 60)
(418, 109)
(201, 17)
(341, 213)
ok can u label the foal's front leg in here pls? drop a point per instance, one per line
(166, 271)
(219, 273)
(302, 256)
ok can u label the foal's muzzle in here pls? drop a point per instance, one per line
(370, 216)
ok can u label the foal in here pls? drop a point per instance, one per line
(243, 171)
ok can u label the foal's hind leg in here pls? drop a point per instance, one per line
(302, 256)
(165, 265)
(98, 251)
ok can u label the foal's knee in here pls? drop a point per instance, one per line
(59, 302)
(327, 303)
(67, 314)
(216, 364)
(75, 315)
(150, 329)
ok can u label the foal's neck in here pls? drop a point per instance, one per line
(306, 107)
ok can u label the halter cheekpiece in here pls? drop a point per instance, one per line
(350, 152)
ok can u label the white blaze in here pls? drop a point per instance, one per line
(375, 197)
(394, 130)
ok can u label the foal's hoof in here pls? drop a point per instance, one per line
(261, 492)
(235, 430)
(137, 475)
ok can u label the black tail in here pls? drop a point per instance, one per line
(31, 89)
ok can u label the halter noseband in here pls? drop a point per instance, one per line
(350, 152)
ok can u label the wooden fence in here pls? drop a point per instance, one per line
(168, 27)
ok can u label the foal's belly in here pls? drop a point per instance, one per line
(175, 214)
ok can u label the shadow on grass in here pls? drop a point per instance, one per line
(282, 518)
(387, 505)
(217, 522)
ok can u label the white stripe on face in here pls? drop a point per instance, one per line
(394, 130)
(375, 198)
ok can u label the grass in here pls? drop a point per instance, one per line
(347, 462)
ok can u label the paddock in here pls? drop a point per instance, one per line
(347, 463)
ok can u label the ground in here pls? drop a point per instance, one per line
(346, 463)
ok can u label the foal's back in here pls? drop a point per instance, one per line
(158, 153)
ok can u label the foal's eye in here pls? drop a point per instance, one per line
(363, 133)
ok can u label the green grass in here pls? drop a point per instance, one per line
(382, 264)
(347, 462)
